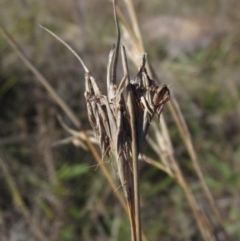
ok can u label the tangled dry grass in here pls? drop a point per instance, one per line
(65, 194)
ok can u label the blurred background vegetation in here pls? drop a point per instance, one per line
(56, 191)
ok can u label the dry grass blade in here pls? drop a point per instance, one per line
(170, 163)
(18, 200)
(11, 185)
(134, 21)
(163, 140)
(41, 78)
(69, 47)
(135, 149)
(157, 165)
(182, 126)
